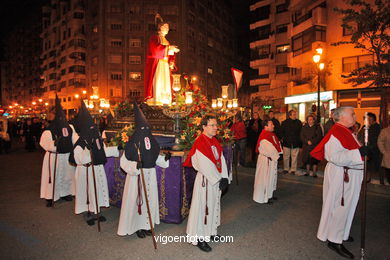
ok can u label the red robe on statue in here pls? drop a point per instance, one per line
(156, 51)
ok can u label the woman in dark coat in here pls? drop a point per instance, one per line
(311, 135)
(253, 131)
(29, 135)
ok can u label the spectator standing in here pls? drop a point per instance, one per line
(311, 135)
(384, 147)
(29, 135)
(253, 131)
(239, 132)
(328, 125)
(290, 131)
(277, 129)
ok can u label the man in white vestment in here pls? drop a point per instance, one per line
(134, 216)
(269, 149)
(212, 177)
(90, 144)
(342, 180)
(57, 140)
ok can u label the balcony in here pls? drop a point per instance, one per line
(254, 64)
(261, 80)
(317, 16)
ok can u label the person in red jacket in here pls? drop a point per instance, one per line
(239, 133)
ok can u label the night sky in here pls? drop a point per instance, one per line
(15, 12)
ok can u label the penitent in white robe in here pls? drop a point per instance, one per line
(83, 157)
(65, 172)
(207, 176)
(130, 220)
(266, 172)
(336, 220)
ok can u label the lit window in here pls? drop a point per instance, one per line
(135, 43)
(135, 76)
(115, 58)
(283, 48)
(134, 59)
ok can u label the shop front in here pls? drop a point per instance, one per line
(306, 104)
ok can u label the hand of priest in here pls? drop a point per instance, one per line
(168, 156)
(223, 183)
(363, 150)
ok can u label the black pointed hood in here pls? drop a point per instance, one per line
(89, 134)
(144, 140)
(60, 129)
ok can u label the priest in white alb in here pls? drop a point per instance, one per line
(269, 149)
(342, 180)
(134, 216)
(212, 177)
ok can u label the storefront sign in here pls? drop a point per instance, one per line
(324, 96)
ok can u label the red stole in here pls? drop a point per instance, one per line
(204, 145)
(270, 137)
(343, 134)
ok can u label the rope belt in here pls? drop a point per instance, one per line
(345, 179)
(139, 195)
(50, 165)
(207, 208)
(87, 166)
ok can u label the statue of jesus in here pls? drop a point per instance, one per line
(160, 61)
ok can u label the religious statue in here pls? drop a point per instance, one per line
(160, 62)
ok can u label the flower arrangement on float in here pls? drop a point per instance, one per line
(122, 137)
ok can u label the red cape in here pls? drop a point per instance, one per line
(343, 134)
(270, 137)
(203, 144)
(155, 52)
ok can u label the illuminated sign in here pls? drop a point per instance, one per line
(267, 107)
(324, 96)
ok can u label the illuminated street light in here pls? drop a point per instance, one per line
(316, 58)
(46, 104)
(34, 103)
(76, 95)
(84, 92)
(16, 104)
(321, 66)
(319, 51)
(40, 100)
(194, 78)
(10, 107)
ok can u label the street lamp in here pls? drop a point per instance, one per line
(320, 67)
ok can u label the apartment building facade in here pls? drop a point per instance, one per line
(98, 47)
(304, 27)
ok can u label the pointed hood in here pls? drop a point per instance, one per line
(60, 129)
(142, 139)
(89, 134)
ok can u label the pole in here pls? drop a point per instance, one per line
(318, 98)
(94, 187)
(146, 199)
(364, 194)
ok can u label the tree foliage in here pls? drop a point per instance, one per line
(370, 23)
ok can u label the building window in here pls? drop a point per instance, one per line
(170, 10)
(260, 33)
(302, 42)
(111, 92)
(261, 13)
(151, 9)
(52, 76)
(94, 77)
(52, 64)
(281, 28)
(77, 43)
(116, 26)
(53, 87)
(209, 70)
(116, 43)
(69, 98)
(135, 27)
(63, 59)
(134, 93)
(63, 84)
(63, 71)
(64, 99)
(95, 28)
(261, 52)
(116, 76)
(116, 9)
(282, 69)
(115, 58)
(133, 59)
(77, 68)
(281, 8)
(135, 76)
(349, 31)
(78, 15)
(77, 56)
(352, 63)
(94, 61)
(135, 43)
(135, 9)
(283, 48)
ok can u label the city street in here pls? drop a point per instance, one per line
(285, 230)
